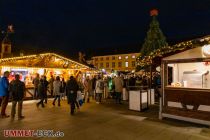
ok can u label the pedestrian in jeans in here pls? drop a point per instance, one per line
(118, 82)
(17, 89)
(41, 94)
(71, 90)
(36, 83)
(99, 90)
(56, 90)
(4, 93)
(86, 88)
(45, 88)
(51, 85)
(63, 88)
(90, 90)
(94, 86)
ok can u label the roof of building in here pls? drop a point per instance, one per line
(43, 60)
(116, 54)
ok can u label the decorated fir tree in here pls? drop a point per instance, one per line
(155, 38)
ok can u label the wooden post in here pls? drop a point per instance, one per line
(150, 86)
(162, 90)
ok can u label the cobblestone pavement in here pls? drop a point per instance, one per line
(106, 121)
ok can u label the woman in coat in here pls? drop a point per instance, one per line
(56, 90)
(41, 93)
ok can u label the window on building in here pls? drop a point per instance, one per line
(6, 49)
(119, 64)
(126, 64)
(113, 57)
(107, 58)
(96, 65)
(101, 58)
(101, 65)
(113, 64)
(119, 57)
(126, 57)
(133, 56)
(96, 59)
(133, 63)
(107, 65)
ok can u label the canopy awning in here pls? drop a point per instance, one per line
(45, 60)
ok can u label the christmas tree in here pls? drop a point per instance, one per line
(155, 39)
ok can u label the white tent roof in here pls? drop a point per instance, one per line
(189, 54)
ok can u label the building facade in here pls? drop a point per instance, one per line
(118, 62)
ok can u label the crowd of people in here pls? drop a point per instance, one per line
(94, 88)
(58, 89)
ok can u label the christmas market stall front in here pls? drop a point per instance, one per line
(48, 64)
(186, 96)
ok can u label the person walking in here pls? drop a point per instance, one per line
(36, 83)
(132, 81)
(118, 82)
(4, 93)
(51, 85)
(94, 86)
(45, 88)
(90, 90)
(41, 94)
(71, 90)
(86, 88)
(63, 88)
(56, 90)
(17, 90)
(99, 89)
(106, 88)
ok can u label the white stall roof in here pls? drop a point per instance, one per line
(189, 54)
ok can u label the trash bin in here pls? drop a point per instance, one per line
(138, 98)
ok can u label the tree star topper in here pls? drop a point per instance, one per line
(154, 12)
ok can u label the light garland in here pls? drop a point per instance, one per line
(12, 59)
(143, 61)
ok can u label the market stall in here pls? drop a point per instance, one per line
(48, 64)
(187, 95)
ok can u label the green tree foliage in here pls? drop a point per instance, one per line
(155, 38)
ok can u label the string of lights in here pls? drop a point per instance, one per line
(143, 61)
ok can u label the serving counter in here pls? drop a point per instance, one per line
(189, 104)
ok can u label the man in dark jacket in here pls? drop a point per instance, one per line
(41, 93)
(4, 93)
(46, 83)
(71, 90)
(36, 83)
(132, 81)
(17, 89)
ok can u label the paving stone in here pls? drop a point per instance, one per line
(106, 121)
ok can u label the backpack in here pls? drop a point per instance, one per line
(101, 85)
